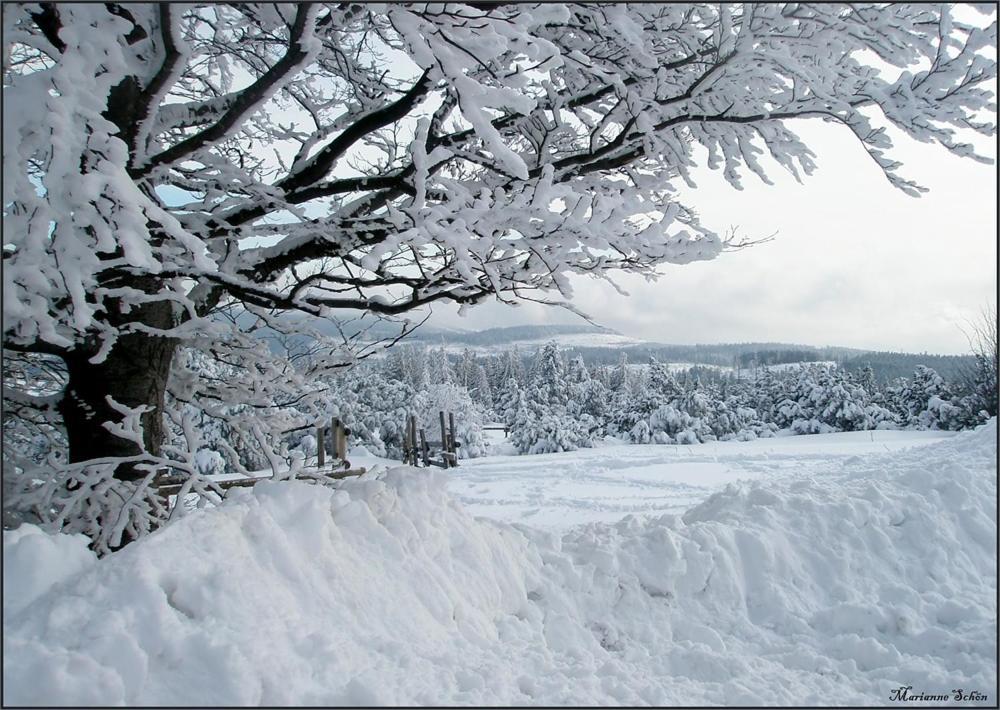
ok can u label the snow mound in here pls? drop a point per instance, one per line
(35, 561)
(814, 592)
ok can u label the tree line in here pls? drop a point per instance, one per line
(552, 403)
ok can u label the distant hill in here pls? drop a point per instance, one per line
(604, 346)
(515, 334)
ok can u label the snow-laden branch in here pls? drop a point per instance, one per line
(166, 164)
(541, 116)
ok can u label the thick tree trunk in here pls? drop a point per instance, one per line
(134, 373)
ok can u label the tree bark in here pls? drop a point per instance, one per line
(134, 373)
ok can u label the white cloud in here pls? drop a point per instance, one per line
(854, 263)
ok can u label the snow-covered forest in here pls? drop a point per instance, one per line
(549, 404)
(224, 224)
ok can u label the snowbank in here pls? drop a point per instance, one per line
(814, 592)
(34, 562)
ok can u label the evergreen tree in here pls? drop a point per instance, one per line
(439, 368)
(408, 363)
(481, 391)
(661, 382)
(842, 404)
(548, 387)
(465, 369)
(619, 378)
(577, 372)
(508, 401)
(546, 424)
(374, 407)
(925, 401)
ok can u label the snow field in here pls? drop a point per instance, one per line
(831, 588)
(556, 491)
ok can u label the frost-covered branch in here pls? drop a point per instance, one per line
(164, 163)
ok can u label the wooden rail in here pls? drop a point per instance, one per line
(172, 485)
(331, 439)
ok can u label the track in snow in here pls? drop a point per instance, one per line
(609, 482)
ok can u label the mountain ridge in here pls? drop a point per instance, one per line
(599, 345)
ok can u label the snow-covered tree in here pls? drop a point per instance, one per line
(618, 379)
(547, 385)
(439, 367)
(373, 407)
(409, 364)
(508, 401)
(546, 422)
(465, 369)
(926, 401)
(839, 402)
(164, 161)
(795, 401)
(506, 367)
(541, 432)
(480, 389)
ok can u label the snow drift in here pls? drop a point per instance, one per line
(823, 591)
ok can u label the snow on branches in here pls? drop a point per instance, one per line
(424, 152)
(166, 163)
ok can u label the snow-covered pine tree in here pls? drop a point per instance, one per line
(618, 379)
(587, 397)
(865, 378)
(634, 405)
(548, 386)
(661, 382)
(480, 391)
(978, 383)
(508, 387)
(576, 371)
(509, 366)
(767, 394)
(929, 401)
(374, 408)
(795, 401)
(439, 369)
(408, 363)
(546, 424)
(465, 369)
(839, 403)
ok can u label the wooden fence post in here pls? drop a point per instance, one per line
(451, 442)
(340, 440)
(425, 450)
(413, 439)
(406, 439)
(320, 448)
(444, 440)
(334, 425)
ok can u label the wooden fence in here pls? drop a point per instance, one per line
(443, 453)
(418, 449)
(331, 439)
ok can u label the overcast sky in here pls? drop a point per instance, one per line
(855, 262)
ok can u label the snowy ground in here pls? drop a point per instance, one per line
(840, 570)
(555, 491)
